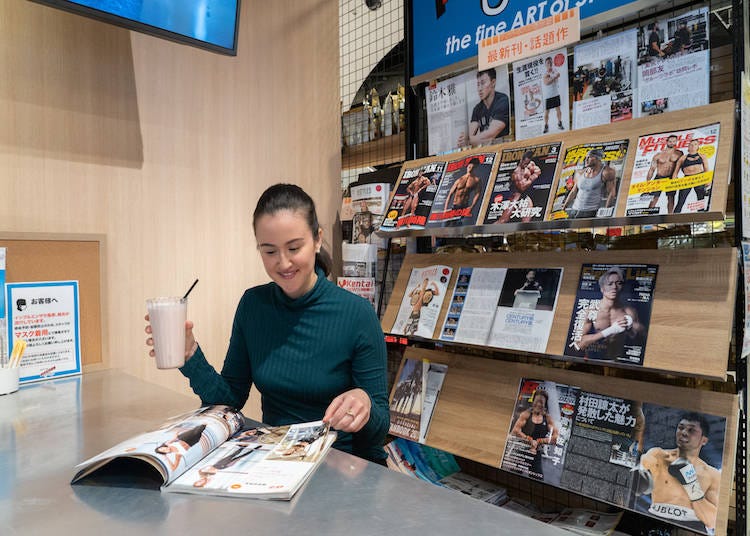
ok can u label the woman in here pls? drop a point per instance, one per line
(175, 449)
(689, 164)
(314, 351)
(536, 427)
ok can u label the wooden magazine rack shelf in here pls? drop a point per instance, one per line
(719, 112)
(474, 411)
(693, 305)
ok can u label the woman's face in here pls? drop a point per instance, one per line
(287, 248)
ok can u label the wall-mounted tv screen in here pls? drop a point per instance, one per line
(210, 24)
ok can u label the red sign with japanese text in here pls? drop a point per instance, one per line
(548, 34)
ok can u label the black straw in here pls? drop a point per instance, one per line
(190, 289)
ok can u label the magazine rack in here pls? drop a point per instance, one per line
(689, 330)
(720, 112)
(692, 312)
(476, 403)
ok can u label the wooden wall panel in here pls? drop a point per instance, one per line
(164, 149)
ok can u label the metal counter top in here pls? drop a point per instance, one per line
(47, 428)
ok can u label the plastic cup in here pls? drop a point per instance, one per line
(9, 380)
(167, 317)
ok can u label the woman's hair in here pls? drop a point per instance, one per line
(291, 197)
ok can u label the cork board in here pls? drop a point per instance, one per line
(52, 259)
(692, 309)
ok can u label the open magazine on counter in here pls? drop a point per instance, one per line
(209, 451)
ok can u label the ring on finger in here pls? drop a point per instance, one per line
(350, 413)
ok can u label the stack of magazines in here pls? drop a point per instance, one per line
(440, 468)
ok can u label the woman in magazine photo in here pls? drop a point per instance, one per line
(536, 426)
(313, 350)
(174, 449)
(691, 163)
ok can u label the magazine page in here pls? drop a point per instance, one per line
(679, 474)
(674, 64)
(422, 300)
(611, 312)
(265, 462)
(605, 444)
(673, 172)
(472, 306)
(589, 181)
(406, 400)
(522, 184)
(604, 80)
(447, 115)
(411, 202)
(540, 92)
(587, 522)
(458, 198)
(475, 487)
(368, 202)
(488, 103)
(433, 375)
(359, 260)
(540, 430)
(525, 309)
(746, 293)
(176, 445)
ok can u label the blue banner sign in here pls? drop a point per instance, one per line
(448, 31)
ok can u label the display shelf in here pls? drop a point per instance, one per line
(384, 150)
(477, 400)
(720, 112)
(690, 327)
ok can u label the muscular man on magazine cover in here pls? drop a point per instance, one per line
(663, 165)
(521, 179)
(589, 184)
(683, 487)
(414, 191)
(465, 192)
(612, 322)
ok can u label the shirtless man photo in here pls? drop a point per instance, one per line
(414, 189)
(662, 167)
(683, 487)
(585, 199)
(611, 322)
(521, 179)
(464, 193)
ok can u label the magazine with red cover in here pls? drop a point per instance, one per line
(459, 196)
(412, 200)
(522, 184)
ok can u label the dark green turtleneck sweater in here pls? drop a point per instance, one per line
(300, 354)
